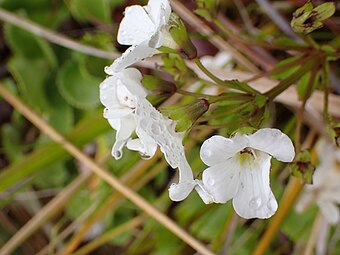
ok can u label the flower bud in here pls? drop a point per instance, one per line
(180, 36)
(186, 115)
(157, 86)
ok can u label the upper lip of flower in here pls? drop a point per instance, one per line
(141, 27)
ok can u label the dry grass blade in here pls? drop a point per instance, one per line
(112, 180)
(52, 208)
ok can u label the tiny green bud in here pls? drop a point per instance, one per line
(186, 115)
(180, 36)
(157, 86)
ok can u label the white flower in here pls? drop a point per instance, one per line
(119, 94)
(161, 130)
(128, 110)
(220, 60)
(325, 190)
(239, 170)
(141, 27)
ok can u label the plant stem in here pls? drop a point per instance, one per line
(224, 83)
(286, 83)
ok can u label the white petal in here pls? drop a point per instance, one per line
(131, 56)
(330, 211)
(161, 129)
(217, 148)
(203, 193)
(180, 191)
(273, 142)
(145, 144)
(115, 113)
(221, 181)
(125, 127)
(159, 11)
(131, 79)
(186, 183)
(304, 201)
(136, 27)
(254, 198)
(107, 90)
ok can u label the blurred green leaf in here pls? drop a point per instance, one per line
(55, 175)
(89, 10)
(207, 9)
(303, 83)
(289, 71)
(29, 45)
(30, 76)
(46, 154)
(78, 89)
(297, 226)
(11, 142)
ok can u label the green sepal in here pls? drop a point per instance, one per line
(186, 115)
(180, 36)
(307, 18)
(158, 86)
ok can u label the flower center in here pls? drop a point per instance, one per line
(247, 155)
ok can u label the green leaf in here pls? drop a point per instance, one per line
(175, 65)
(11, 142)
(299, 232)
(77, 88)
(79, 203)
(51, 152)
(55, 175)
(61, 114)
(30, 76)
(207, 9)
(303, 83)
(89, 10)
(33, 47)
(289, 71)
(302, 167)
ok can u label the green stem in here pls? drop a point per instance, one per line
(301, 112)
(279, 69)
(255, 42)
(286, 83)
(232, 84)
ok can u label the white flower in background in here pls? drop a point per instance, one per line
(141, 27)
(220, 60)
(239, 170)
(119, 94)
(151, 123)
(325, 190)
